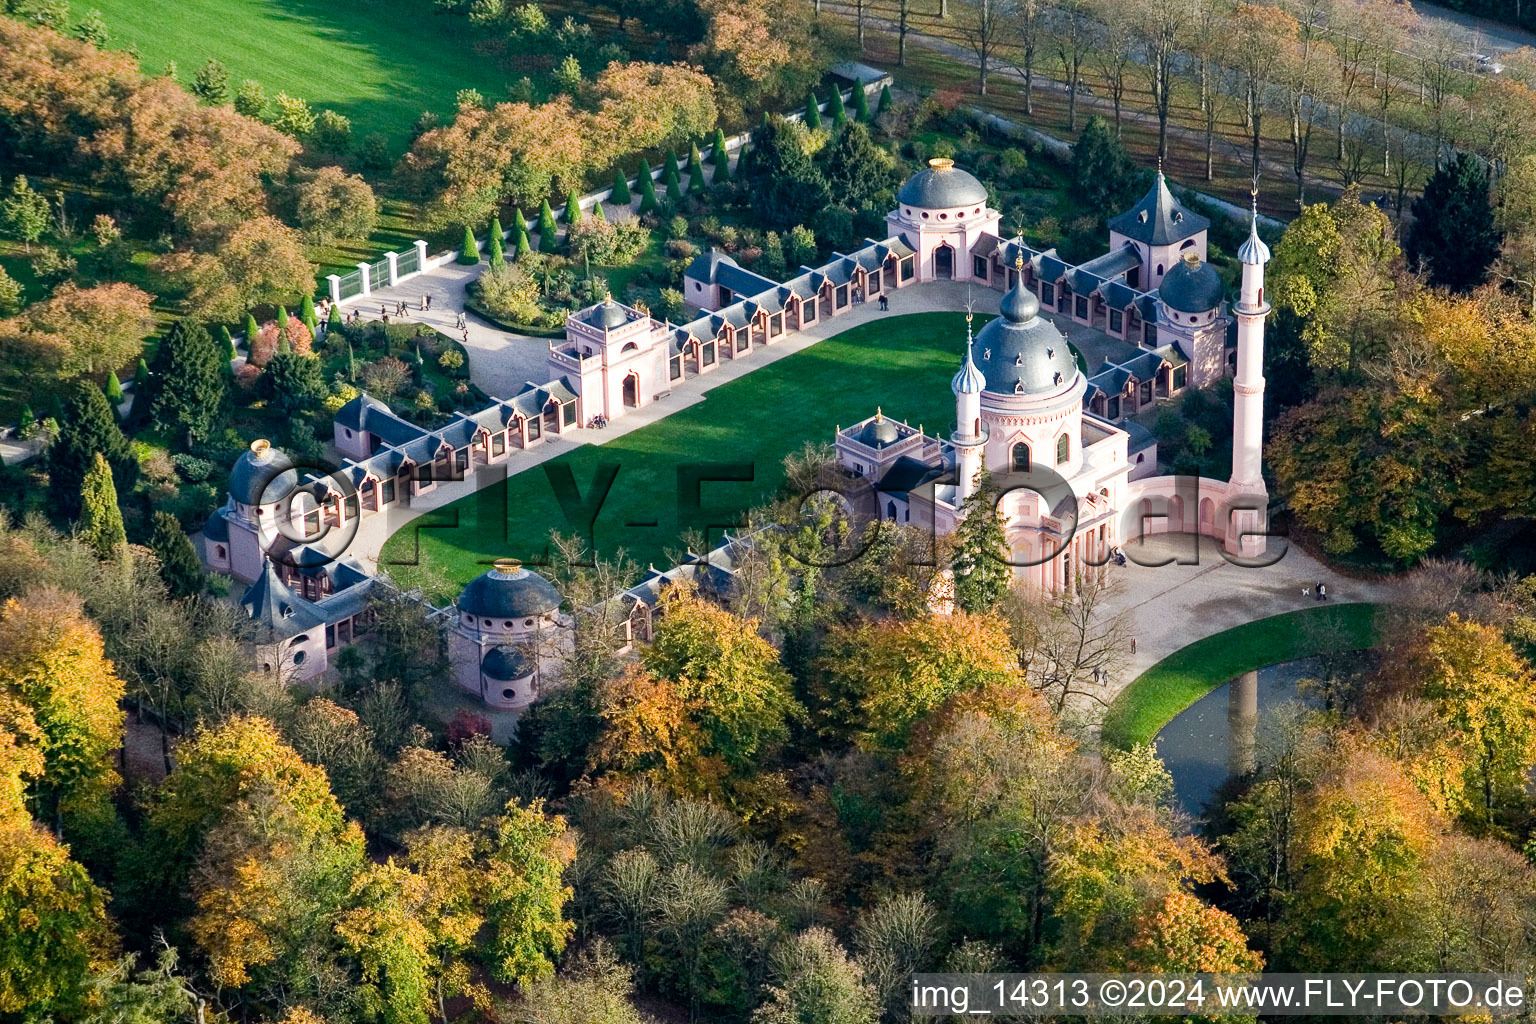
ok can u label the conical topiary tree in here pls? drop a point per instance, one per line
(812, 112)
(695, 170)
(572, 212)
(140, 376)
(674, 187)
(720, 157)
(860, 101)
(25, 422)
(469, 249)
(549, 237)
(307, 314)
(836, 109)
(495, 228)
(114, 388)
(351, 364)
(496, 259)
(521, 247)
(598, 214)
(620, 195)
(886, 102)
(251, 330)
(101, 520)
(226, 343)
(284, 342)
(648, 200)
(670, 161)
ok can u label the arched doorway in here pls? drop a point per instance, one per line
(552, 416)
(1176, 514)
(1019, 458)
(632, 390)
(944, 262)
(1207, 516)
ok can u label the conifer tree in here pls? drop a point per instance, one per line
(695, 169)
(495, 259)
(469, 249)
(351, 364)
(284, 342)
(572, 212)
(720, 157)
(860, 101)
(25, 422)
(519, 222)
(620, 195)
(598, 214)
(981, 549)
(521, 246)
(251, 330)
(227, 343)
(495, 229)
(180, 567)
(836, 109)
(886, 102)
(674, 187)
(86, 429)
(1454, 235)
(670, 161)
(648, 200)
(114, 389)
(101, 521)
(549, 240)
(140, 376)
(812, 112)
(189, 383)
(307, 314)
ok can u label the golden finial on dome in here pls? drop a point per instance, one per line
(507, 566)
(879, 416)
(941, 163)
(260, 447)
(1018, 260)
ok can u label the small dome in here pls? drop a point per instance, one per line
(969, 380)
(610, 315)
(879, 432)
(1020, 304)
(509, 592)
(942, 186)
(505, 663)
(1191, 286)
(262, 476)
(1253, 251)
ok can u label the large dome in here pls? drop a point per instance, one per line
(1191, 286)
(1021, 352)
(261, 476)
(509, 592)
(942, 186)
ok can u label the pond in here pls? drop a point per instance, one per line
(1216, 736)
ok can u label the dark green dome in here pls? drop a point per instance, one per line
(509, 592)
(262, 476)
(1191, 287)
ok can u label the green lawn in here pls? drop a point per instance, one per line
(379, 62)
(902, 364)
(1186, 675)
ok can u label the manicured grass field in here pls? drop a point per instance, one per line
(902, 364)
(379, 62)
(1173, 684)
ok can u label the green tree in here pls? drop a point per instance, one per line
(695, 170)
(211, 83)
(620, 195)
(674, 185)
(1453, 235)
(720, 157)
(860, 101)
(26, 212)
(549, 236)
(87, 428)
(981, 549)
(527, 852)
(812, 113)
(469, 249)
(11, 295)
(180, 567)
(858, 172)
(293, 382)
(250, 99)
(887, 104)
(814, 981)
(1101, 170)
(226, 346)
(307, 314)
(571, 215)
(648, 201)
(113, 389)
(497, 257)
(783, 184)
(251, 331)
(835, 108)
(141, 377)
(101, 521)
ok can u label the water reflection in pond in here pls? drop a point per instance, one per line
(1216, 737)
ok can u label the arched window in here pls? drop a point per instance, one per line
(629, 346)
(1020, 458)
(1063, 449)
(1159, 270)
(890, 510)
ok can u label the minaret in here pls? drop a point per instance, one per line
(1247, 483)
(968, 437)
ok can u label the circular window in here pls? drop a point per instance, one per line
(507, 624)
(943, 216)
(298, 657)
(527, 622)
(961, 215)
(508, 693)
(909, 213)
(977, 210)
(469, 620)
(925, 216)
